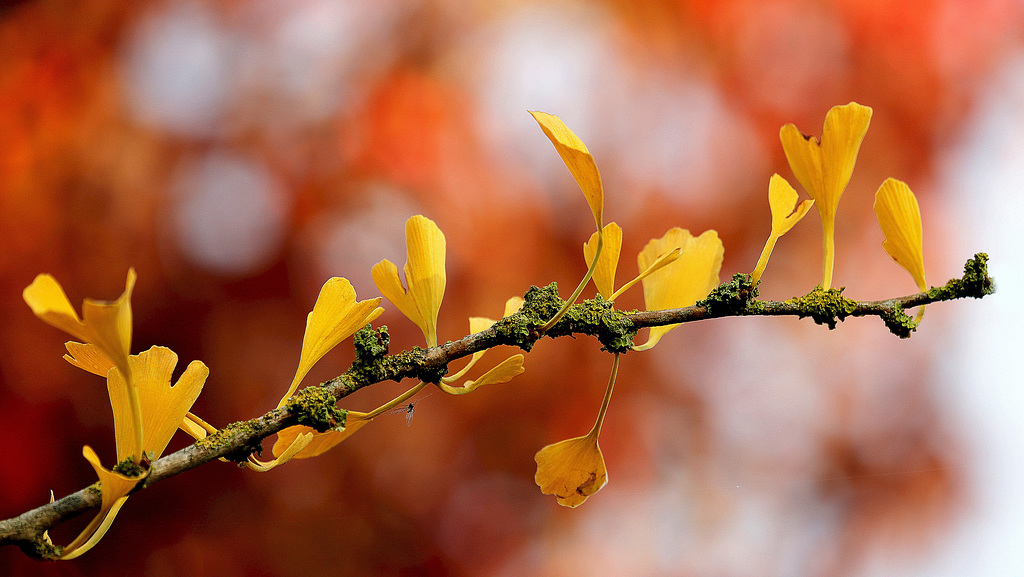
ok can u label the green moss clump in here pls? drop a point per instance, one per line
(227, 435)
(540, 304)
(826, 307)
(516, 330)
(371, 344)
(316, 408)
(735, 297)
(598, 318)
(371, 347)
(975, 283)
(129, 468)
(41, 548)
(898, 322)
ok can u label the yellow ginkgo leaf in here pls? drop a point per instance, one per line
(571, 470)
(320, 443)
(163, 406)
(477, 324)
(577, 159)
(295, 442)
(824, 167)
(662, 261)
(196, 427)
(107, 325)
(88, 357)
(424, 274)
(503, 372)
(335, 317)
(114, 488)
(604, 273)
(682, 283)
(785, 214)
(900, 218)
(512, 306)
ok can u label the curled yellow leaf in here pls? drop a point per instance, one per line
(786, 213)
(577, 159)
(571, 470)
(900, 218)
(105, 324)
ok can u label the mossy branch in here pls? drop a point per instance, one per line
(615, 330)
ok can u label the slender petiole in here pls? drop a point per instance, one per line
(400, 399)
(596, 430)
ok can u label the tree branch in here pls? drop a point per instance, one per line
(314, 406)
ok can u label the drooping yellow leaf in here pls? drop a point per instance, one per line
(320, 442)
(477, 324)
(571, 470)
(503, 372)
(577, 159)
(297, 441)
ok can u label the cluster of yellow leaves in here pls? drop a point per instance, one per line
(676, 271)
(147, 409)
(679, 269)
(824, 168)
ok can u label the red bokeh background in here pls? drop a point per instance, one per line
(239, 153)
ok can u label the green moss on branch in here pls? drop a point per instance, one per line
(826, 307)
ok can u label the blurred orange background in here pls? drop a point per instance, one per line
(238, 153)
